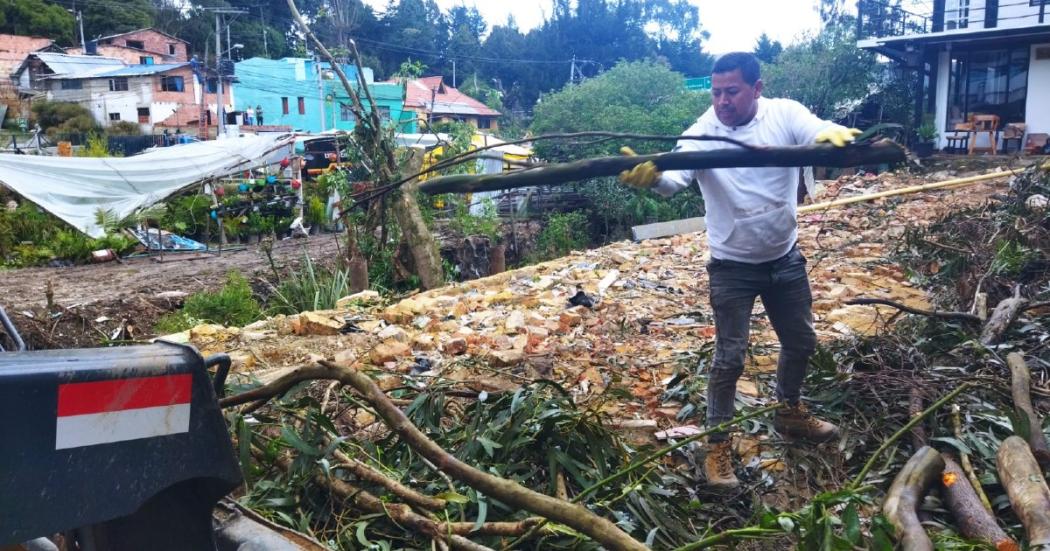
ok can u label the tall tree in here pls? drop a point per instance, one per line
(827, 73)
(107, 18)
(466, 27)
(413, 28)
(37, 18)
(766, 49)
(615, 101)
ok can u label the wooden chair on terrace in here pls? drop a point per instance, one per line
(959, 139)
(985, 124)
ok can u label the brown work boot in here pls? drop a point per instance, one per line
(718, 466)
(795, 421)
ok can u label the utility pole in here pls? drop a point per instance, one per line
(83, 44)
(453, 73)
(220, 124)
(266, 47)
(572, 70)
(320, 88)
(220, 128)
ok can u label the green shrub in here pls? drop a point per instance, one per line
(57, 117)
(310, 288)
(563, 234)
(124, 128)
(486, 224)
(232, 305)
(97, 146)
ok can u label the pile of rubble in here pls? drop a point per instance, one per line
(627, 312)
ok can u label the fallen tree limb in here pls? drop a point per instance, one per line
(1029, 496)
(905, 495)
(509, 492)
(400, 513)
(973, 520)
(883, 151)
(653, 456)
(955, 316)
(365, 472)
(906, 429)
(1021, 391)
(1003, 316)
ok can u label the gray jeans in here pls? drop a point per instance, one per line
(783, 285)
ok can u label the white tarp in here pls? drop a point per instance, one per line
(75, 189)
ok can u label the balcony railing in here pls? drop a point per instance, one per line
(877, 19)
(886, 18)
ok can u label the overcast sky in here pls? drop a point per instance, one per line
(733, 24)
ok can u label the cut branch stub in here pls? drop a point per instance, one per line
(1029, 496)
(884, 151)
(905, 495)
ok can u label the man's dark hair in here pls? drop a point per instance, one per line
(746, 62)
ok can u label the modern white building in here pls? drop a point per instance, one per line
(976, 57)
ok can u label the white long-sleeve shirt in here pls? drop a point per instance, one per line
(750, 210)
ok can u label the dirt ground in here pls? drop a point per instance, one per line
(121, 301)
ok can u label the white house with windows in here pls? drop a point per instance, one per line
(976, 58)
(144, 94)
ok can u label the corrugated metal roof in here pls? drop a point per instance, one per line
(139, 70)
(62, 64)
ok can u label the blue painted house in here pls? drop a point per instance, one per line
(308, 96)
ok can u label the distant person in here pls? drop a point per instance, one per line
(752, 235)
(249, 116)
(259, 115)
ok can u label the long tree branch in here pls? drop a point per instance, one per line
(958, 316)
(509, 492)
(883, 151)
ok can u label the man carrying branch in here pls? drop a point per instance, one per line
(752, 234)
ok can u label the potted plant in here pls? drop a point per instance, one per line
(927, 137)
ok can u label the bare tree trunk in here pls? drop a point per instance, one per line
(906, 494)
(415, 231)
(973, 520)
(1020, 389)
(1029, 496)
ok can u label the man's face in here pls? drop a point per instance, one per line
(735, 101)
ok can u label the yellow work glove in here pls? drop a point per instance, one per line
(642, 176)
(837, 135)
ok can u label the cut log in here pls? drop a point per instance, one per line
(1029, 496)
(905, 496)
(973, 520)
(883, 151)
(1021, 390)
(1004, 315)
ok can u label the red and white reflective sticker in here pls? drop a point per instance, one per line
(102, 412)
